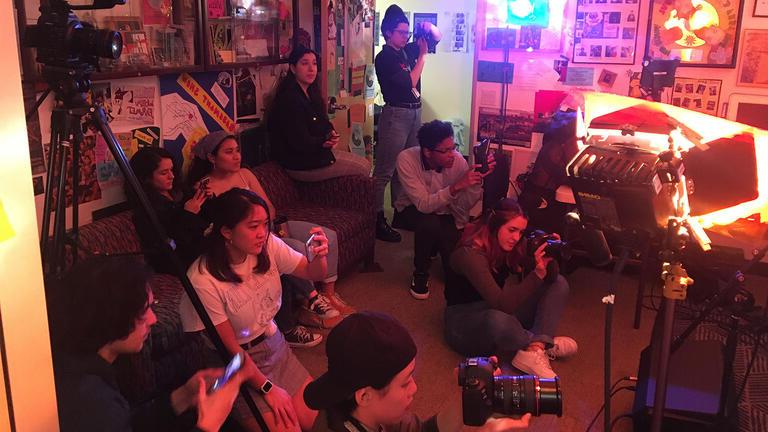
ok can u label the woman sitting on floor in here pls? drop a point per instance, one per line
(238, 281)
(483, 317)
(302, 138)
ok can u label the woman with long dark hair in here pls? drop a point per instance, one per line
(483, 316)
(302, 137)
(154, 168)
(238, 280)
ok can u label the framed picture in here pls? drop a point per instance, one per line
(753, 65)
(123, 23)
(515, 128)
(761, 8)
(702, 95)
(606, 32)
(704, 34)
(748, 109)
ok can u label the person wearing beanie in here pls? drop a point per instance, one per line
(369, 385)
(398, 68)
(302, 138)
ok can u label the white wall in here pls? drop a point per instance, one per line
(446, 83)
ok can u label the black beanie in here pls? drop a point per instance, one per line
(393, 16)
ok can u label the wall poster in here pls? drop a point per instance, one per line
(753, 65)
(699, 32)
(702, 95)
(605, 32)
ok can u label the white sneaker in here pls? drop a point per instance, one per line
(533, 363)
(564, 347)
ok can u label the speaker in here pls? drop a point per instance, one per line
(693, 387)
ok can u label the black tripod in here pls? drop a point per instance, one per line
(69, 87)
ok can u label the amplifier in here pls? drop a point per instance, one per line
(623, 188)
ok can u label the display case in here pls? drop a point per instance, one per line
(244, 32)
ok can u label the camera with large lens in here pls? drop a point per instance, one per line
(484, 394)
(555, 247)
(430, 33)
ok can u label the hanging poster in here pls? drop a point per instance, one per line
(514, 128)
(702, 95)
(460, 34)
(605, 33)
(698, 32)
(356, 142)
(133, 104)
(88, 188)
(246, 94)
(753, 66)
(190, 110)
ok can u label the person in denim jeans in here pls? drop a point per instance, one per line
(398, 69)
(483, 317)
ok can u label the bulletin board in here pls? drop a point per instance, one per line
(605, 31)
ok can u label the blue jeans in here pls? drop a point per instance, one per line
(298, 234)
(475, 329)
(397, 131)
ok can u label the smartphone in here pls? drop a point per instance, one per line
(204, 183)
(234, 365)
(310, 248)
(481, 155)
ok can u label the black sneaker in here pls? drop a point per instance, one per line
(420, 286)
(301, 337)
(384, 232)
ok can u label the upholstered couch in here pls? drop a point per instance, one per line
(170, 356)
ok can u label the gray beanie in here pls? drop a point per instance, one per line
(208, 143)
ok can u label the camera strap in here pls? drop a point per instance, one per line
(353, 425)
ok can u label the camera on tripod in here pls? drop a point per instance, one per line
(484, 394)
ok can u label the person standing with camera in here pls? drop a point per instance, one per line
(398, 68)
(369, 385)
(484, 317)
(439, 189)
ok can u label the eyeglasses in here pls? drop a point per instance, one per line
(455, 147)
(404, 33)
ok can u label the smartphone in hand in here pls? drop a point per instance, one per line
(310, 246)
(481, 155)
(203, 185)
(234, 365)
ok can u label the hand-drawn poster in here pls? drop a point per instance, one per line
(133, 104)
(190, 110)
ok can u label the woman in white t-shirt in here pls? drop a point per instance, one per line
(238, 281)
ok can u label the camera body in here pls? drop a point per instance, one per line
(427, 31)
(484, 394)
(555, 248)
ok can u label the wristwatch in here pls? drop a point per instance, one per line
(266, 387)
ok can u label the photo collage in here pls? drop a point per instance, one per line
(701, 95)
(605, 31)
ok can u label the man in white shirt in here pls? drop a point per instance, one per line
(439, 189)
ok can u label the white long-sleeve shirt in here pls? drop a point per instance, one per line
(429, 190)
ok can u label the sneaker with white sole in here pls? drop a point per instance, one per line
(534, 363)
(420, 286)
(340, 305)
(301, 337)
(322, 307)
(564, 347)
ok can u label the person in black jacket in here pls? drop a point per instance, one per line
(101, 310)
(153, 167)
(302, 138)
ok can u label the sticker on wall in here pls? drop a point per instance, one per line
(356, 142)
(607, 78)
(580, 76)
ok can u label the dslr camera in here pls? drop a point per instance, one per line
(430, 33)
(555, 248)
(484, 394)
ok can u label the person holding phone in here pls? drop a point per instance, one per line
(100, 311)
(238, 281)
(302, 137)
(178, 212)
(370, 383)
(439, 189)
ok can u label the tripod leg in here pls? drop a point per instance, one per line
(618, 268)
(53, 155)
(660, 393)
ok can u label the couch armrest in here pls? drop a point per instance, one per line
(350, 192)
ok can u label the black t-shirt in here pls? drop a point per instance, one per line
(393, 70)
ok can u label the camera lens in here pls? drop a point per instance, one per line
(522, 394)
(97, 42)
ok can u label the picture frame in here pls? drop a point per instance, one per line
(753, 64)
(516, 128)
(606, 32)
(124, 23)
(669, 35)
(761, 9)
(697, 94)
(748, 109)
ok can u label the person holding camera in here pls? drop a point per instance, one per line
(484, 317)
(369, 384)
(398, 69)
(302, 137)
(238, 281)
(100, 311)
(439, 189)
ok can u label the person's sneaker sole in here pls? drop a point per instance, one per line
(419, 296)
(314, 343)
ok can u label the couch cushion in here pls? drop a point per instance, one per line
(111, 235)
(346, 223)
(279, 187)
